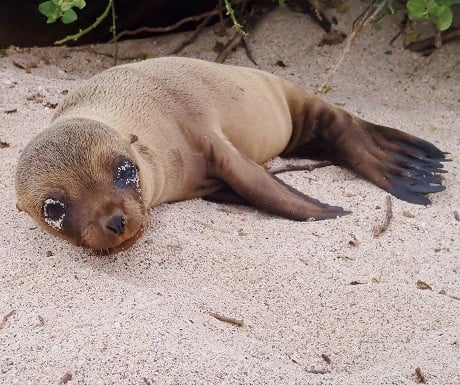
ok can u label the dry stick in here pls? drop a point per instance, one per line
(5, 318)
(307, 167)
(326, 358)
(114, 33)
(229, 320)
(318, 371)
(236, 39)
(228, 47)
(403, 26)
(193, 37)
(313, 10)
(169, 28)
(248, 51)
(174, 26)
(378, 230)
(251, 20)
(422, 45)
(215, 228)
(358, 25)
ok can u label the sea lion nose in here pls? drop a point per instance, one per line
(116, 224)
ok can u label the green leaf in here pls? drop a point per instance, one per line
(50, 10)
(448, 3)
(441, 17)
(432, 6)
(80, 4)
(417, 9)
(69, 16)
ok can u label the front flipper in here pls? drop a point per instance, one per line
(258, 187)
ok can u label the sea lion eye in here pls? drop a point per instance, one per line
(54, 212)
(126, 174)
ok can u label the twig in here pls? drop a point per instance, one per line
(248, 51)
(326, 358)
(358, 25)
(249, 23)
(114, 34)
(215, 228)
(418, 46)
(5, 318)
(403, 26)
(307, 167)
(378, 230)
(86, 30)
(228, 47)
(318, 371)
(193, 37)
(169, 28)
(313, 10)
(229, 320)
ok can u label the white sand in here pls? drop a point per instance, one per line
(142, 316)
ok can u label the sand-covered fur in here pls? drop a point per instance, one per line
(199, 129)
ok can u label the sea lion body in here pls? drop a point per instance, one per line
(170, 104)
(170, 129)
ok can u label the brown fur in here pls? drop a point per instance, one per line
(201, 127)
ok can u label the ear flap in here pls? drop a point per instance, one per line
(133, 138)
(18, 207)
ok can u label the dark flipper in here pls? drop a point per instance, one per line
(409, 164)
(256, 186)
(402, 164)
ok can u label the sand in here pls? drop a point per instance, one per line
(322, 302)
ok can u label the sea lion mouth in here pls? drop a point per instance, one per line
(122, 246)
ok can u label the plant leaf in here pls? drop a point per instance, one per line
(69, 16)
(441, 17)
(50, 10)
(448, 3)
(80, 4)
(417, 9)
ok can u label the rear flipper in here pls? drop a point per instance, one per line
(252, 183)
(402, 164)
(407, 165)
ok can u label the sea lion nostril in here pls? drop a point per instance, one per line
(116, 224)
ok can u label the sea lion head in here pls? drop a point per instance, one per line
(79, 180)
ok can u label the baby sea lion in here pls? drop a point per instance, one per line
(169, 129)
